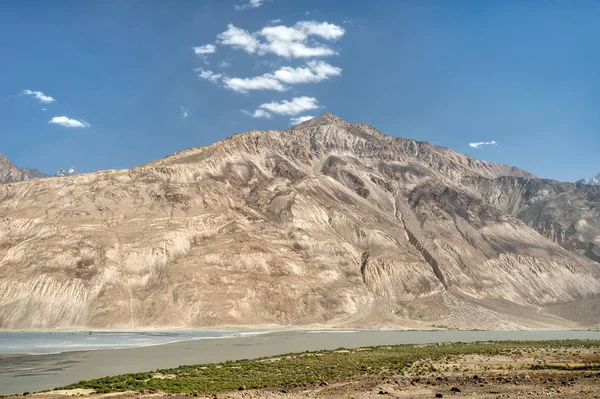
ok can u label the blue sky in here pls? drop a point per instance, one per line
(127, 80)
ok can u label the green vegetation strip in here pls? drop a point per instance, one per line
(293, 370)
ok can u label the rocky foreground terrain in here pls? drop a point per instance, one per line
(328, 223)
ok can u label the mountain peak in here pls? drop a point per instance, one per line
(593, 181)
(327, 119)
(328, 116)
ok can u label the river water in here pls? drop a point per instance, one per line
(36, 343)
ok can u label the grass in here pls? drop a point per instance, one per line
(302, 369)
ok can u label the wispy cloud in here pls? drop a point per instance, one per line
(224, 64)
(284, 41)
(314, 71)
(68, 122)
(258, 114)
(208, 75)
(239, 39)
(482, 143)
(244, 85)
(323, 29)
(184, 112)
(40, 96)
(274, 21)
(206, 49)
(295, 106)
(249, 4)
(297, 120)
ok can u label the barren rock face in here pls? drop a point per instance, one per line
(566, 213)
(10, 173)
(328, 223)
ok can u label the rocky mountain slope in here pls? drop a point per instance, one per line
(327, 223)
(565, 213)
(9, 172)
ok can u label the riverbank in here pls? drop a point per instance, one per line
(35, 373)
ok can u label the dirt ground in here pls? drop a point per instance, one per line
(561, 373)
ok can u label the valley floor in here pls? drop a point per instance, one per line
(551, 369)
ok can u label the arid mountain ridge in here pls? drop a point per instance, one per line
(10, 173)
(328, 223)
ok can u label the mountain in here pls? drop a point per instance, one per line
(592, 181)
(30, 173)
(66, 172)
(10, 173)
(328, 223)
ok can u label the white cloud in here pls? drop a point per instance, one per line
(314, 71)
(239, 39)
(40, 96)
(224, 64)
(44, 109)
(292, 42)
(68, 122)
(284, 41)
(249, 4)
(243, 85)
(295, 106)
(206, 49)
(298, 120)
(283, 33)
(482, 143)
(274, 21)
(323, 29)
(258, 114)
(295, 49)
(208, 75)
(184, 112)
